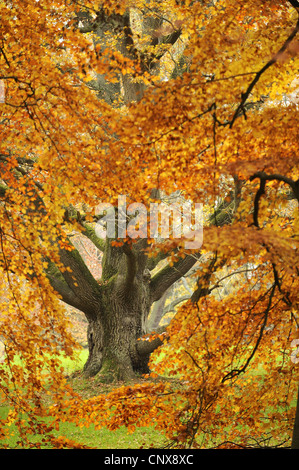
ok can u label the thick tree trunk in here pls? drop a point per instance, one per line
(113, 335)
(113, 352)
(95, 346)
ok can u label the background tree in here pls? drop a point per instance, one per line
(77, 124)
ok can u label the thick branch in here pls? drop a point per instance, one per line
(203, 283)
(86, 20)
(146, 347)
(152, 262)
(131, 266)
(258, 195)
(67, 295)
(276, 177)
(3, 190)
(90, 233)
(78, 277)
(76, 285)
(170, 274)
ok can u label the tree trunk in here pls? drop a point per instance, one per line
(114, 333)
(117, 307)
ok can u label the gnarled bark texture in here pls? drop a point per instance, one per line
(119, 321)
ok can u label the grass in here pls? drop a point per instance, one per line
(145, 437)
(99, 439)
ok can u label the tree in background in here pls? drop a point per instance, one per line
(143, 99)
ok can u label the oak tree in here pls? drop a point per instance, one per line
(145, 99)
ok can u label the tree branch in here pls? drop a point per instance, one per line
(74, 282)
(203, 282)
(170, 307)
(244, 96)
(89, 232)
(87, 21)
(146, 346)
(264, 177)
(170, 274)
(235, 372)
(78, 277)
(67, 295)
(131, 266)
(3, 190)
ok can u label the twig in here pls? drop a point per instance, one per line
(244, 96)
(235, 372)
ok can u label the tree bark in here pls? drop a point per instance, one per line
(119, 323)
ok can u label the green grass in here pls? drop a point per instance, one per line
(100, 439)
(89, 436)
(145, 437)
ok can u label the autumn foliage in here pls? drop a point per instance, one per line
(200, 97)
